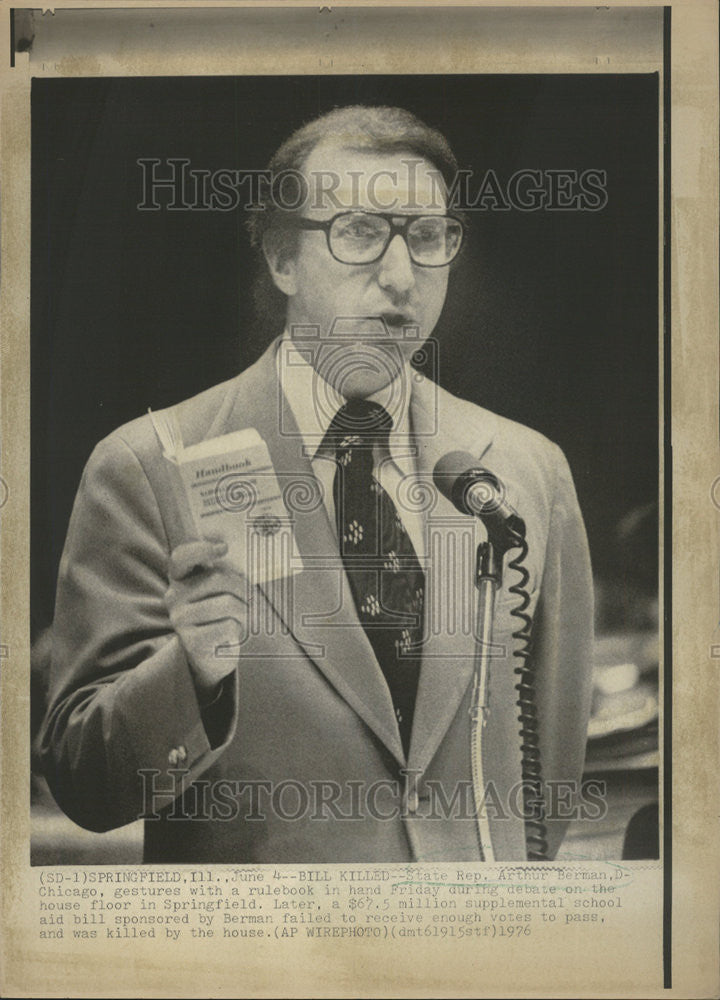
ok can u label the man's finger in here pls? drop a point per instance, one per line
(224, 607)
(206, 583)
(191, 557)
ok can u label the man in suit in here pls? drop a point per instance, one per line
(339, 730)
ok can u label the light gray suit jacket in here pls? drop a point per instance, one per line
(301, 760)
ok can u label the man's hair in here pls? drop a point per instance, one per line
(358, 128)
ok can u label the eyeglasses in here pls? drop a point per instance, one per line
(363, 237)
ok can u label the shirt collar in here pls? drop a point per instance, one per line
(314, 402)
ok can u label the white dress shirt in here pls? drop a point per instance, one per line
(314, 403)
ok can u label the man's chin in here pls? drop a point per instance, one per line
(360, 368)
(360, 384)
(361, 388)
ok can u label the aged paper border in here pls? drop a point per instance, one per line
(597, 968)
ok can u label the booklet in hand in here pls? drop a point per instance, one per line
(233, 493)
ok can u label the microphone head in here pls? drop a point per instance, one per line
(471, 488)
(474, 490)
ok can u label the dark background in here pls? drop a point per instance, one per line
(551, 318)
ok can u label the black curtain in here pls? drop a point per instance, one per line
(551, 318)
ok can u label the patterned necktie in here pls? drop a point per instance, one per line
(386, 579)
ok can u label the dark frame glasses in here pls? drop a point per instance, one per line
(410, 227)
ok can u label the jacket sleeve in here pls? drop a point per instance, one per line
(562, 656)
(122, 699)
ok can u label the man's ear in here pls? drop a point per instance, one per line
(281, 262)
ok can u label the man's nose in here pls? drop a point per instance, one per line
(396, 270)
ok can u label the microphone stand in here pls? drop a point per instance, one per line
(488, 577)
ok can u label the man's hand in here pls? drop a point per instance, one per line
(208, 607)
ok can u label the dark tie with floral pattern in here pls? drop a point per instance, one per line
(386, 579)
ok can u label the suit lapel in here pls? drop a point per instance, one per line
(448, 657)
(315, 605)
(451, 542)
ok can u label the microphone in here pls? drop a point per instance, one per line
(474, 490)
